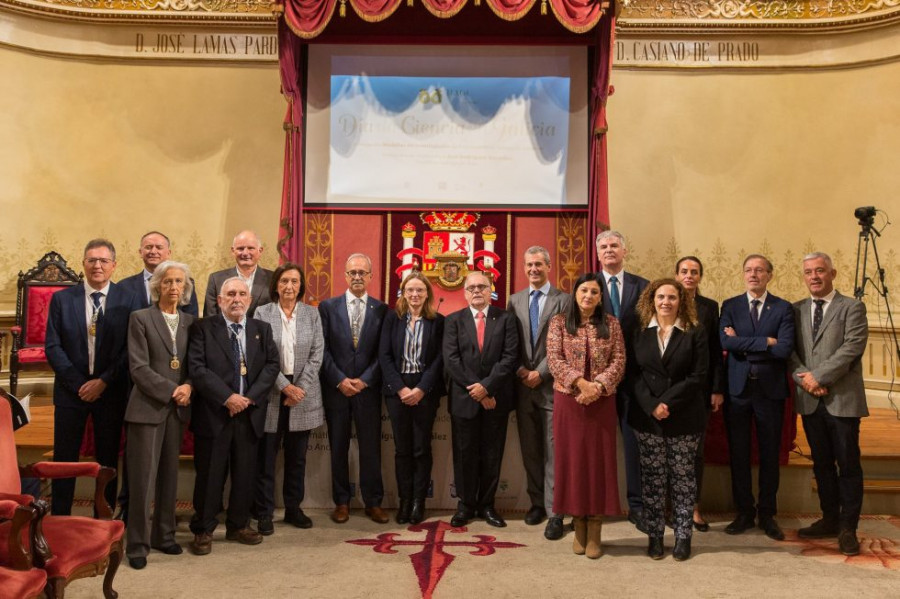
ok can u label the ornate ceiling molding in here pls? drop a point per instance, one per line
(676, 16)
(696, 16)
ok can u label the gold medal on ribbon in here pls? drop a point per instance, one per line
(92, 330)
(174, 363)
(243, 369)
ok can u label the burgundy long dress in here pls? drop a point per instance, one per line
(585, 472)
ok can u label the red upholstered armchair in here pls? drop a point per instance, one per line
(18, 578)
(65, 547)
(32, 304)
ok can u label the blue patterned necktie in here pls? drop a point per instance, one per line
(96, 296)
(534, 315)
(237, 383)
(754, 312)
(614, 295)
(817, 316)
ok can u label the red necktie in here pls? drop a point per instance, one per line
(479, 329)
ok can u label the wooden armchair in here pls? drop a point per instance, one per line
(18, 578)
(35, 288)
(65, 547)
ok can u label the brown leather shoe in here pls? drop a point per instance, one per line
(202, 544)
(376, 514)
(340, 514)
(245, 536)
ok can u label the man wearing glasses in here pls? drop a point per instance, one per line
(351, 388)
(87, 330)
(481, 354)
(757, 330)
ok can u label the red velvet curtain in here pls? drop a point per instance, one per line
(598, 181)
(308, 18)
(290, 61)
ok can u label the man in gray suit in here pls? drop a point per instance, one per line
(533, 308)
(831, 398)
(247, 250)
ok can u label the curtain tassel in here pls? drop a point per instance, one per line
(409, 3)
(477, 2)
(544, 7)
(343, 10)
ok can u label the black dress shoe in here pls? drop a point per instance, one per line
(297, 518)
(403, 511)
(740, 524)
(265, 526)
(682, 550)
(820, 529)
(702, 526)
(492, 517)
(554, 529)
(655, 548)
(535, 515)
(417, 511)
(848, 543)
(173, 549)
(461, 518)
(138, 563)
(771, 528)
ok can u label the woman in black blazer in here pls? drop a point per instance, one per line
(670, 358)
(689, 272)
(412, 371)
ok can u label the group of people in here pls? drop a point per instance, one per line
(262, 369)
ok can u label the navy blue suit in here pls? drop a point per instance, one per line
(66, 344)
(628, 319)
(135, 285)
(757, 389)
(341, 360)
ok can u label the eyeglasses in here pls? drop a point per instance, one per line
(410, 291)
(95, 261)
(477, 288)
(357, 274)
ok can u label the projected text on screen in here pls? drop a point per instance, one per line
(449, 140)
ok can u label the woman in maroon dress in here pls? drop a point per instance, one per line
(586, 356)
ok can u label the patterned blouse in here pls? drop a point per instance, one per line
(566, 355)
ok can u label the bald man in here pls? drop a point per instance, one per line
(247, 250)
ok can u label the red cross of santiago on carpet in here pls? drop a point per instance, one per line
(432, 561)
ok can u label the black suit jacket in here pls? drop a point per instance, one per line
(629, 321)
(135, 285)
(677, 379)
(748, 350)
(211, 369)
(708, 314)
(494, 366)
(340, 359)
(66, 345)
(390, 355)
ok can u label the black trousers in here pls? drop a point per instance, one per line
(293, 487)
(631, 454)
(233, 449)
(364, 411)
(69, 423)
(412, 426)
(768, 416)
(834, 442)
(477, 456)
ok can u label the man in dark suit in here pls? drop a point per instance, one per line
(87, 330)
(351, 324)
(154, 250)
(247, 250)
(757, 330)
(533, 307)
(481, 354)
(832, 332)
(621, 291)
(232, 362)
